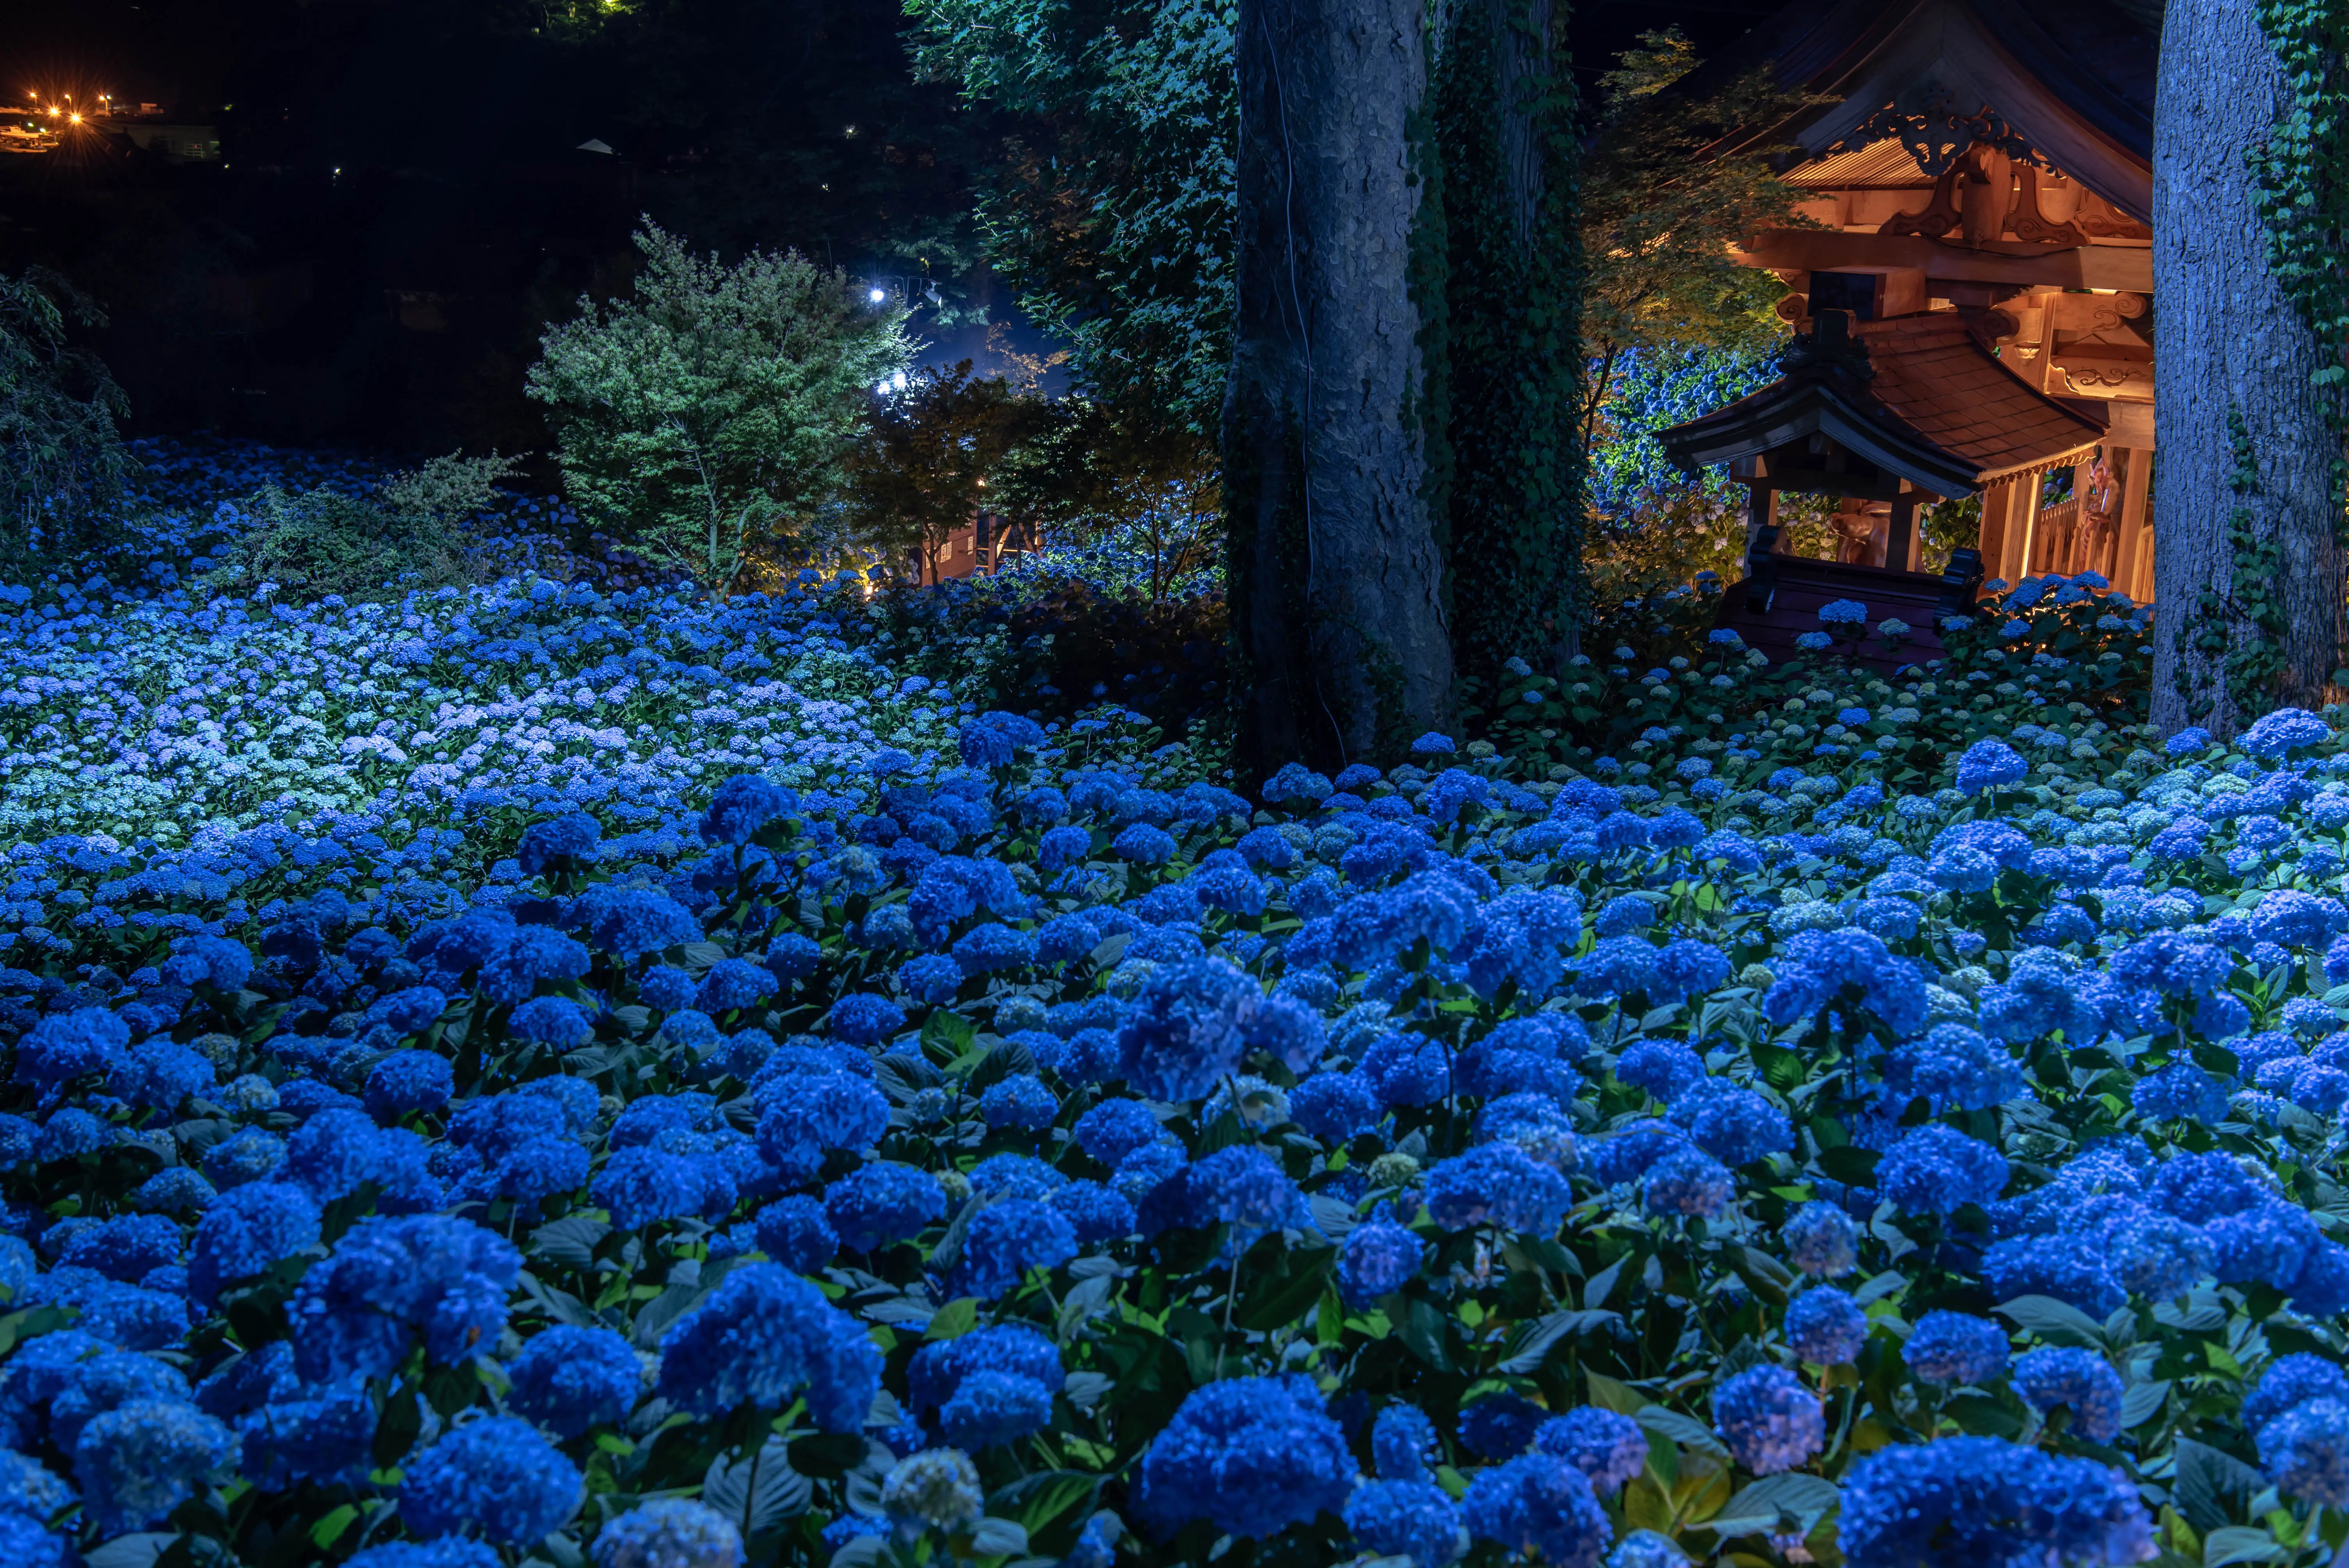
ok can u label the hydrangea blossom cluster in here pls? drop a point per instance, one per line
(719, 1065)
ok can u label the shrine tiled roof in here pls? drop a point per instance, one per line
(1927, 403)
(1932, 373)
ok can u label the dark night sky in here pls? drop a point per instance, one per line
(263, 298)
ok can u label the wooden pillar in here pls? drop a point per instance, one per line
(1992, 542)
(1761, 511)
(2023, 527)
(1900, 551)
(2134, 573)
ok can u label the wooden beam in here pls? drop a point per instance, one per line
(2132, 573)
(1900, 551)
(2085, 267)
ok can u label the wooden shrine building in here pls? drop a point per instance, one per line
(1973, 305)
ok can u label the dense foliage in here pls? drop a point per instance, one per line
(60, 453)
(741, 1104)
(708, 412)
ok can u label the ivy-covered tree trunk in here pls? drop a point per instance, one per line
(1337, 584)
(1511, 286)
(2247, 556)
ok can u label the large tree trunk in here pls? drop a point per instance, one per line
(2239, 630)
(1336, 581)
(1511, 328)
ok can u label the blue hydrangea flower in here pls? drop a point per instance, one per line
(1538, 1503)
(1378, 1256)
(1605, 1445)
(669, 1532)
(762, 1338)
(1822, 1240)
(140, 1460)
(1769, 1419)
(1411, 1519)
(1952, 1348)
(1826, 1326)
(1984, 1501)
(1004, 1242)
(245, 1230)
(1935, 1169)
(1249, 1456)
(2305, 1451)
(880, 1204)
(2053, 1376)
(568, 1379)
(496, 1477)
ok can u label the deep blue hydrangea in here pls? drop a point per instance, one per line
(1500, 1425)
(1822, 1240)
(1826, 1326)
(1982, 1500)
(1411, 1519)
(880, 1203)
(1769, 1419)
(2305, 1451)
(1184, 1034)
(391, 1282)
(1249, 1456)
(568, 1379)
(564, 841)
(409, 1080)
(762, 1338)
(1376, 1256)
(1538, 1503)
(863, 1019)
(2053, 1376)
(1688, 1183)
(2180, 1091)
(245, 1230)
(137, 1462)
(496, 1478)
(1952, 1348)
(1935, 1169)
(1403, 1443)
(669, 1532)
(1097, 1213)
(2284, 730)
(1498, 1184)
(1334, 1105)
(68, 1045)
(2293, 1380)
(1605, 1445)
(795, 1232)
(1990, 765)
(1004, 1242)
(1019, 1101)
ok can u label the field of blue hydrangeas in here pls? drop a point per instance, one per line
(564, 1073)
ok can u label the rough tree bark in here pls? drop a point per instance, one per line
(2231, 341)
(1335, 573)
(1511, 522)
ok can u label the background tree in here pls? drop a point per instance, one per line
(2248, 386)
(1500, 280)
(60, 453)
(1110, 210)
(1092, 476)
(1679, 172)
(926, 462)
(1337, 582)
(710, 410)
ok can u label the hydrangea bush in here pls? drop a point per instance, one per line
(939, 1137)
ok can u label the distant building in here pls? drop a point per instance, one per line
(178, 143)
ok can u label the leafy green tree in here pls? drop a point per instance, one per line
(1092, 476)
(60, 453)
(711, 412)
(1111, 211)
(1661, 205)
(923, 470)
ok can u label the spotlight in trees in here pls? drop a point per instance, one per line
(877, 295)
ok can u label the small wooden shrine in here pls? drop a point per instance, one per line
(1979, 187)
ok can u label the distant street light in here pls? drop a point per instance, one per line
(877, 295)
